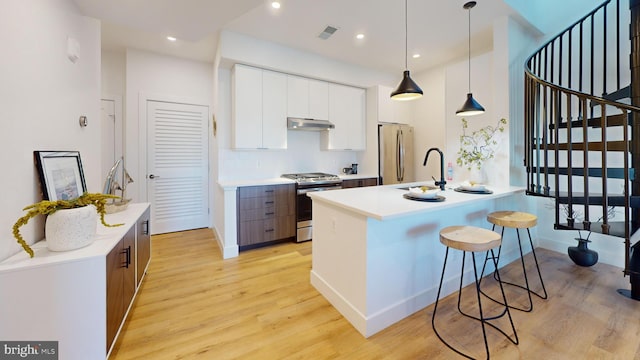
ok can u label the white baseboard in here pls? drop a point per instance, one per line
(228, 252)
(370, 324)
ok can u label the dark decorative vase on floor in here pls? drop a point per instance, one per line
(581, 255)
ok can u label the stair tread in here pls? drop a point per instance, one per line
(614, 145)
(612, 121)
(612, 172)
(616, 228)
(595, 199)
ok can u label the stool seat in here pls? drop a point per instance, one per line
(469, 238)
(513, 219)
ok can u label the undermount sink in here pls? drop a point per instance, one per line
(429, 187)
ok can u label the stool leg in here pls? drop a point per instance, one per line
(535, 258)
(435, 307)
(515, 333)
(487, 258)
(524, 272)
(482, 319)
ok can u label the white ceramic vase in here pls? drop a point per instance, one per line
(70, 229)
(477, 176)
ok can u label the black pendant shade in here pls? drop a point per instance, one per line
(470, 107)
(407, 90)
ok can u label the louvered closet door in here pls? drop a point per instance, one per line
(177, 166)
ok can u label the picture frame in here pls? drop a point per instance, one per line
(61, 174)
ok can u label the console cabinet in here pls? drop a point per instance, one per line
(265, 214)
(79, 298)
(351, 183)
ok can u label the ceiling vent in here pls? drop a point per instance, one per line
(327, 32)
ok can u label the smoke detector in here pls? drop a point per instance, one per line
(327, 32)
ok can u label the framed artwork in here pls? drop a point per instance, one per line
(61, 175)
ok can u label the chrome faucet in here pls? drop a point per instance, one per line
(442, 182)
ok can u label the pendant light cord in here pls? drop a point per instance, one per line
(469, 50)
(406, 32)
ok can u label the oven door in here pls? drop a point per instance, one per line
(304, 210)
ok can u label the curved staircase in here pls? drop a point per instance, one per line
(582, 127)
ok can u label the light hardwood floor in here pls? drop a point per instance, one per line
(261, 305)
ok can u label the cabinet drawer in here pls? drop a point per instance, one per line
(255, 191)
(256, 202)
(257, 214)
(255, 232)
(259, 231)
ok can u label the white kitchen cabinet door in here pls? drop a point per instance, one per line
(297, 97)
(347, 112)
(247, 107)
(318, 99)
(274, 110)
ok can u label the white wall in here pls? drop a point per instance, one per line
(552, 16)
(113, 73)
(429, 121)
(157, 77)
(43, 95)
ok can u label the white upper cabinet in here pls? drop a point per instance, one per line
(318, 99)
(307, 98)
(274, 110)
(347, 113)
(259, 108)
(297, 97)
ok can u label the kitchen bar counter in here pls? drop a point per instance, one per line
(377, 257)
(386, 202)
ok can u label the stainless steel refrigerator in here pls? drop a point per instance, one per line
(395, 153)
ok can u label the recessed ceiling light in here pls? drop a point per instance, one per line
(275, 5)
(415, 56)
(360, 36)
(171, 38)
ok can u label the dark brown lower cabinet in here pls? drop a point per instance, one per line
(121, 283)
(266, 214)
(143, 244)
(359, 182)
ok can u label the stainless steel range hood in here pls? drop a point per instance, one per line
(308, 124)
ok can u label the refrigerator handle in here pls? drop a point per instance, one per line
(400, 155)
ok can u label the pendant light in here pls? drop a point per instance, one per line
(408, 89)
(471, 106)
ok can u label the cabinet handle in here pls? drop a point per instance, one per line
(127, 253)
(145, 227)
(268, 191)
(269, 230)
(269, 213)
(268, 202)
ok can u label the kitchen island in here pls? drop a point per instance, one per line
(377, 257)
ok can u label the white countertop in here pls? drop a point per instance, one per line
(385, 202)
(106, 238)
(233, 184)
(357, 176)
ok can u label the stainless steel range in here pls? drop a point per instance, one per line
(305, 183)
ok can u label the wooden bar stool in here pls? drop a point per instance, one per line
(517, 220)
(472, 239)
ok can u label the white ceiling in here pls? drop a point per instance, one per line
(437, 29)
